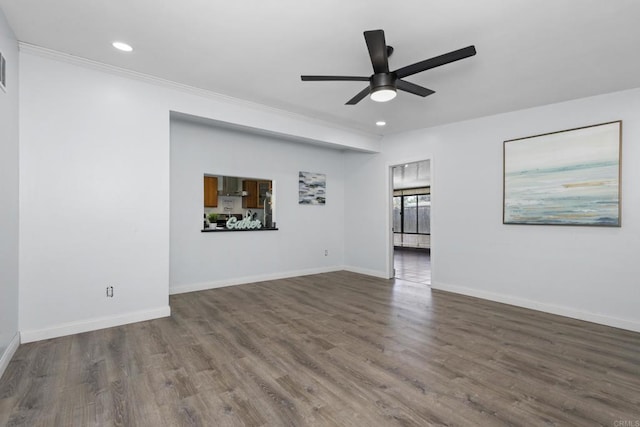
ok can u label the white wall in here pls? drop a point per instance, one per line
(367, 189)
(205, 260)
(94, 200)
(8, 198)
(584, 272)
(94, 192)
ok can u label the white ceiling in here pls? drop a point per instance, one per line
(530, 52)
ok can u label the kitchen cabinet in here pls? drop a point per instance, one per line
(250, 200)
(210, 191)
(256, 192)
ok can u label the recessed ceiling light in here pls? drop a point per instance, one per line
(122, 46)
(381, 123)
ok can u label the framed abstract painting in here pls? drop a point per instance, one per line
(312, 188)
(571, 177)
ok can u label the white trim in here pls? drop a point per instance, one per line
(147, 78)
(390, 267)
(9, 352)
(615, 322)
(194, 287)
(70, 328)
(367, 272)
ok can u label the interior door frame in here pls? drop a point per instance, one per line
(390, 246)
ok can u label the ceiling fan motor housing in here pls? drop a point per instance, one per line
(383, 81)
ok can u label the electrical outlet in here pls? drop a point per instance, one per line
(326, 252)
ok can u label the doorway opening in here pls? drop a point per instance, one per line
(411, 221)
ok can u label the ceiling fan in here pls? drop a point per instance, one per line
(384, 83)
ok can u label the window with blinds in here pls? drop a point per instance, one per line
(412, 217)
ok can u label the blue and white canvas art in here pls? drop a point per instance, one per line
(564, 178)
(312, 188)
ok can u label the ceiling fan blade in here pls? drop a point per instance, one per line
(334, 78)
(359, 97)
(377, 50)
(437, 61)
(413, 88)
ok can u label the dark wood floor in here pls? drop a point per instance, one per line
(336, 349)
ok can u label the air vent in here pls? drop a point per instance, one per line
(3, 72)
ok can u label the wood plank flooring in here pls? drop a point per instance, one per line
(336, 349)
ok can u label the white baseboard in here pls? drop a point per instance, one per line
(8, 353)
(366, 272)
(193, 287)
(630, 325)
(92, 324)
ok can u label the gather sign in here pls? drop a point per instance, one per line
(243, 224)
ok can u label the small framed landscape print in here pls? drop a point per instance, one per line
(570, 177)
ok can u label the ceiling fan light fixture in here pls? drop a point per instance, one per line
(383, 94)
(383, 87)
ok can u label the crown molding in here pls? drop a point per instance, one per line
(204, 93)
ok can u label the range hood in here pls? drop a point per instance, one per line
(231, 186)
